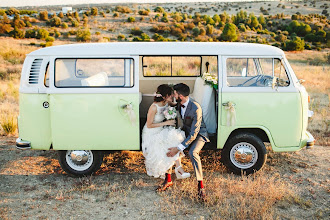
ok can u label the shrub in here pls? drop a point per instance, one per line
(16, 33)
(61, 15)
(145, 37)
(241, 27)
(164, 19)
(158, 37)
(9, 125)
(5, 28)
(121, 37)
(123, 9)
(130, 19)
(42, 34)
(296, 44)
(43, 15)
(190, 26)
(12, 11)
(50, 39)
(55, 22)
(216, 18)
(177, 17)
(97, 33)
(159, 9)
(57, 34)
(83, 35)
(137, 39)
(64, 25)
(75, 23)
(144, 12)
(42, 44)
(196, 31)
(30, 33)
(229, 32)
(94, 11)
(281, 38)
(209, 29)
(136, 31)
(202, 31)
(116, 14)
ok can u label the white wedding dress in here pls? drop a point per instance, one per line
(155, 144)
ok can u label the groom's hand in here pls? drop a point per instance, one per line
(172, 151)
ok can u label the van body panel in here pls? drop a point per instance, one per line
(94, 122)
(33, 120)
(280, 113)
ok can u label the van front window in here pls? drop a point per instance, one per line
(94, 72)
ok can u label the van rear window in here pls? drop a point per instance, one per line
(94, 72)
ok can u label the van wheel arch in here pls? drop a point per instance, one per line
(244, 153)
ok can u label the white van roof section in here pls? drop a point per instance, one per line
(159, 48)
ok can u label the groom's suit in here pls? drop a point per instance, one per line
(196, 134)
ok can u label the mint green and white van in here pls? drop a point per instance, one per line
(84, 99)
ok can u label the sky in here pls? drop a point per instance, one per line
(20, 3)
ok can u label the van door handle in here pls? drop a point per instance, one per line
(227, 104)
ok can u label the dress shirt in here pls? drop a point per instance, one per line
(183, 110)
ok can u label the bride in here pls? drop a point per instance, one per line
(156, 139)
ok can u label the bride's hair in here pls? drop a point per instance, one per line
(163, 91)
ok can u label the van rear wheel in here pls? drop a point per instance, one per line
(244, 153)
(80, 162)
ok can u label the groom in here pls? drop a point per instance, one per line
(196, 135)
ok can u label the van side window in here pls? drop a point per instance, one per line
(255, 72)
(96, 72)
(46, 79)
(171, 65)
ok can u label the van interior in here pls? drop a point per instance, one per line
(157, 70)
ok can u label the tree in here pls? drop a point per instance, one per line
(229, 32)
(83, 35)
(12, 11)
(43, 15)
(262, 21)
(254, 21)
(94, 11)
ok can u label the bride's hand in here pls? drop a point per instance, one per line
(170, 122)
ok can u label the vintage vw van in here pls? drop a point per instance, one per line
(84, 99)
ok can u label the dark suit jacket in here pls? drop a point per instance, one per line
(193, 124)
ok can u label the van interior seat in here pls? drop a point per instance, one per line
(99, 79)
(205, 95)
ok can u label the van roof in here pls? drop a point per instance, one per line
(159, 48)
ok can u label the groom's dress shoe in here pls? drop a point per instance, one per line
(201, 195)
(164, 186)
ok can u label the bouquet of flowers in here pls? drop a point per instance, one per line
(210, 79)
(170, 113)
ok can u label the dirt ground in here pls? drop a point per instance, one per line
(33, 186)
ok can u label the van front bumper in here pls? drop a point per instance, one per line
(20, 144)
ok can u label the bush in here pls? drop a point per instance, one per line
(57, 34)
(137, 39)
(43, 15)
(202, 31)
(136, 31)
(50, 39)
(32, 33)
(196, 31)
(64, 25)
(145, 37)
(123, 9)
(75, 23)
(61, 15)
(55, 22)
(94, 11)
(164, 19)
(16, 33)
(130, 19)
(42, 34)
(121, 37)
(159, 9)
(144, 12)
(241, 27)
(229, 32)
(296, 44)
(9, 125)
(5, 28)
(281, 38)
(209, 29)
(83, 35)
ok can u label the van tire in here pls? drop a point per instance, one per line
(239, 163)
(90, 160)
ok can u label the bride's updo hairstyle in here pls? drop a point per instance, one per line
(163, 91)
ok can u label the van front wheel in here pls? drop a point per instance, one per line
(80, 162)
(244, 153)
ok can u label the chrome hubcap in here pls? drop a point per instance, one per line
(79, 160)
(243, 155)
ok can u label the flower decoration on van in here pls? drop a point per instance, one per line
(128, 111)
(210, 79)
(170, 113)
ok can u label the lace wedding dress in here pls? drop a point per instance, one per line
(155, 144)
